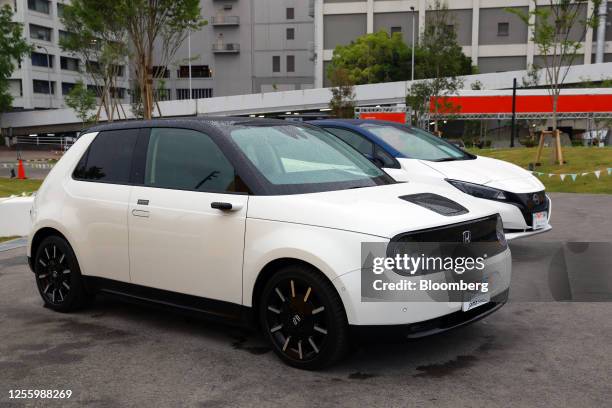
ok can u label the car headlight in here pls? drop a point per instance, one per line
(478, 190)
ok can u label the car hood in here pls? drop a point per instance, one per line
(491, 172)
(372, 210)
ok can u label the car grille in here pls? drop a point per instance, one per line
(529, 203)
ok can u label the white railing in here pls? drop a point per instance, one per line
(63, 143)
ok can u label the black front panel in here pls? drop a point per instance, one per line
(529, 203)
(481, 230)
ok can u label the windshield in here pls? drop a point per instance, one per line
(415, 143)
(297, 159)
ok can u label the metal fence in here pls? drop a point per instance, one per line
(63, 143)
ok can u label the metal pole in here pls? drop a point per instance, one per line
(48, 74)
(601, 32)
(189, 56)
(513, 130)
(413, 44)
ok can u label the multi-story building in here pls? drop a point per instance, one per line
(494, 38)
(43, 79)
(248, 46)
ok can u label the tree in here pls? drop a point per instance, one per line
(558, 30)
(373, 58)
(156, 29)
(12, 49)
(100, 42)
(443, 62)
(82, 101)
(342, 103)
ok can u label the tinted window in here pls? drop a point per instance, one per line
(109, 157)
(185, 159)
(357, 141)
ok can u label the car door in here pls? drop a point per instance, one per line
(96, 205)
(187, 217)
(370, 150)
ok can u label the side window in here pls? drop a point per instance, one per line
(109, 157)
(357, 141)
(386, 158)
(185, 159)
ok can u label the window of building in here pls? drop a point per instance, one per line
(503, 29)
(67, 87)
(290, 13)
(161, 72)
(291, 33)
(40, 60)
(42, 87)
(64, 35)
(41, 6)
(162, 94)
(119, 70)
(197, 93)
(109, 157)
(290, 63)
(69, 64)
(15, 87)
(93, 66)
(276, 63)
(197, 71)
(195, 163)
(40, 33)
(396, 30)
(96, 89)
(60, 10)
(450, 28)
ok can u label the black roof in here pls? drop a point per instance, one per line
(192, 122)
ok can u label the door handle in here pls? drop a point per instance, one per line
(140, 213)
(223, 206)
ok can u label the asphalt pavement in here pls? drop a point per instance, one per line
(530, 353)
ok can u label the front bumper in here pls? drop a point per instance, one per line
(515, 220)
(392, 313)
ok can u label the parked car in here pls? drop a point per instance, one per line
(408, 153)
(253, 221)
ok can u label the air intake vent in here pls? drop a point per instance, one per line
(436, 203)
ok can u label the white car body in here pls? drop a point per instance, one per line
(483, 171)
(178, 243)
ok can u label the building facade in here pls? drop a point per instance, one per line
(248, 46)
(42, 80)
(494, 38)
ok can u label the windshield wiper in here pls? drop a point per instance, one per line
(447, 159)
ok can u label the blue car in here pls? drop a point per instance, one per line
(408, 153)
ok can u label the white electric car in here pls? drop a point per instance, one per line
(411, 154)
(253, 221)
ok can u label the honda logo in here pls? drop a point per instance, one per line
(467, 237)
(536, 199)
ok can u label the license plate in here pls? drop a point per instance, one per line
(475, 299)
(540, 220)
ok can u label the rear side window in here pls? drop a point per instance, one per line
(109, 157)
(357, 141)
(185, 159)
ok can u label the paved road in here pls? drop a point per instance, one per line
(114, 354)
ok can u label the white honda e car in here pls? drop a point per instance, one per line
(252, 221)
(408, 153)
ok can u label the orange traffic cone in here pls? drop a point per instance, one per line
(21, 171)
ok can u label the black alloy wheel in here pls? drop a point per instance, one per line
(303, 317)
(58, 276)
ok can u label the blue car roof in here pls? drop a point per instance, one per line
(354, 125)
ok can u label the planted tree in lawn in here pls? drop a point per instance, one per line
(12, 49)
(342, 103)
(99, 41)
(558, 30)
(443, 62)
(82, 101)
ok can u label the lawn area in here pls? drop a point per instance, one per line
(16, 187)
(578, 160)
(4, 239)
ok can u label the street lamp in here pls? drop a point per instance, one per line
(412, 72)
(48, 74)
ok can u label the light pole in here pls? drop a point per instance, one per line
(189, 57)
(412, 73)
(48, 74)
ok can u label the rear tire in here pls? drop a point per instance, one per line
(58, 276)
(302, 316)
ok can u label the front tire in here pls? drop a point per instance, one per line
(58, 276)
(302, 316)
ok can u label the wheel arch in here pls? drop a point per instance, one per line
(40, 235)
(268, 271)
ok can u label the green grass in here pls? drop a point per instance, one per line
(13, 186)
(578, 160)
(4, 239)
